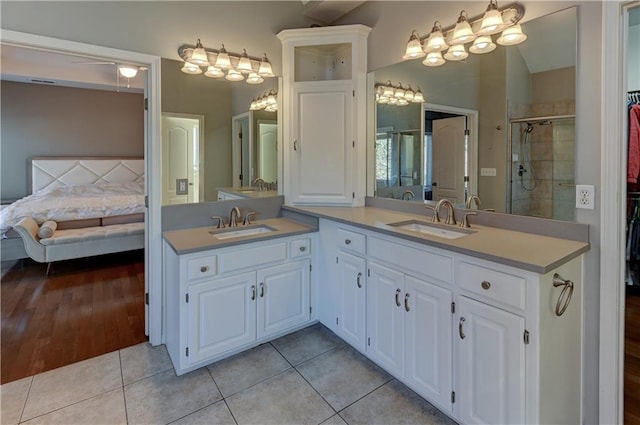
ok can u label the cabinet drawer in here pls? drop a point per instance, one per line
(299, 248)
(200, 267)
(493, 285)
(252, 257)
(352, 241)
(412, 260)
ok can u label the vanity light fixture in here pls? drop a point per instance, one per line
(220, 63)
(128, 71)
(398, 95)
(477, 30)
(267, 101)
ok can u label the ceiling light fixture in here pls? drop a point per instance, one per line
(477, 30)
(220, 63)
(128, 71)
(398, 95)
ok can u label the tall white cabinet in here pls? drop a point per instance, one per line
(324, 114)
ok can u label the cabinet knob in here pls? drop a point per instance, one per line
(485, 285)
(347, 241)
(204, 269)
(303, 248)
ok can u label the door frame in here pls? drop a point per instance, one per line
(613, 151)
(152, 155)
(201, 144)
(237, 151)
(472, 125)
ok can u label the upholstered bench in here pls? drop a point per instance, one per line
(77, 243)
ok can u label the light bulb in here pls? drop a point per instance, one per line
(128, 71)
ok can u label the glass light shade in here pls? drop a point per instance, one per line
(435, 42)
(254, 78)
(456, 53)
(199, 55)
(233, 75)
(512, 35)
(393, 101)
(383, 99)
(482, 44)
(223, 61)
(271, 108)
(414, 48)
(491, 21)
(399, 93)
(388, 91)
(128, 71)
(265, 68)
(433, 59)
(213, 72)
(418, 97)
(408, 95)
(402, 102)
(271, 99)
(190, 68)
(254, 106)
(462, 33)
(244, 64)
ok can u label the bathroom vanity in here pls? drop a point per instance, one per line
(484, 323)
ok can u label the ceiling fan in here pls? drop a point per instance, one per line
(122, 70)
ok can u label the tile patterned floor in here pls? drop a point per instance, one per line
(308, 377)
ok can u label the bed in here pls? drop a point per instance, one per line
(77, 193)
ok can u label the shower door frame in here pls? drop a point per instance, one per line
(510, 148)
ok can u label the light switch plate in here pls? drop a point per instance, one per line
(182, 186)
(585, 196)
(489, 172)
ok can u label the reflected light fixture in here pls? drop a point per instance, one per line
(220, 63)
(267, 101)
(398, 95)
(478, 30)
(128, 71)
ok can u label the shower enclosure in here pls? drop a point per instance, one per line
(541, 151)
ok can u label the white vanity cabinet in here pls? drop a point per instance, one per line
(222, 301)
(324, 114)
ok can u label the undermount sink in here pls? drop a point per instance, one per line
(231, 233)
(433, 229)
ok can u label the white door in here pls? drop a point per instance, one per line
(322, 149)
(267, 151)
(180, 168)
(448, 146)
(428, 367)
(351, 314)
(222, 315)
(385, 331)
(283, 297)
(491, 365)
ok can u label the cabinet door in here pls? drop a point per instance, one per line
(491, 364)
(385, 318)
(221, 314)
(428, 341)
(322, 146)
(283, 297)
(351, 314)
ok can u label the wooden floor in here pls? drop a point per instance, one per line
(83, 309)
(632, 360)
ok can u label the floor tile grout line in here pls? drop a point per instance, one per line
(224, 399)
(24, 404)
(367, 394)
(124, 397)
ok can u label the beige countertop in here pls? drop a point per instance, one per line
(198, 238)
(248, 192)
(539, 254)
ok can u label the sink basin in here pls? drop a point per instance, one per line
(433, 229)
(231, 233)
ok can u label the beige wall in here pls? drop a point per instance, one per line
(39, 120)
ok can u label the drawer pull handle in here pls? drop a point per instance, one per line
(253, 292)
(358, 280)
(460, 331)
(261, 290)
(204, 269)
(303, 248)
(565, 294)
(347, 241)
(398, 292)
(485, 285)
(406, 302)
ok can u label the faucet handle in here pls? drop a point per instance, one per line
(465, 220)
(435, 217)
(220, 221)
(247, 218)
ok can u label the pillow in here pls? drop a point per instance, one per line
(47, 229)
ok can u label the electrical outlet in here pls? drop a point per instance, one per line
(585, 196)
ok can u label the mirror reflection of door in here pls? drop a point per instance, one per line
(267, 151)
(449, 159)
(181, 144)
(241, 150)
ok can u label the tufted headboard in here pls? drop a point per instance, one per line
(67, 171)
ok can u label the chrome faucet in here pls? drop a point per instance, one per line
(233, 218)
(259, 182)
(451, 216)
(410, 196)
(475, 199)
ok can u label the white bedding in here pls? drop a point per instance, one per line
(65, 203)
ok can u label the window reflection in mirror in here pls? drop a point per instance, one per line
(534, 80)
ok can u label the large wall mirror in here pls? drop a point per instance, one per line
(500, 126)
(214, 146)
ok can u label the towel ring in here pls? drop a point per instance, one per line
(565, 295)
